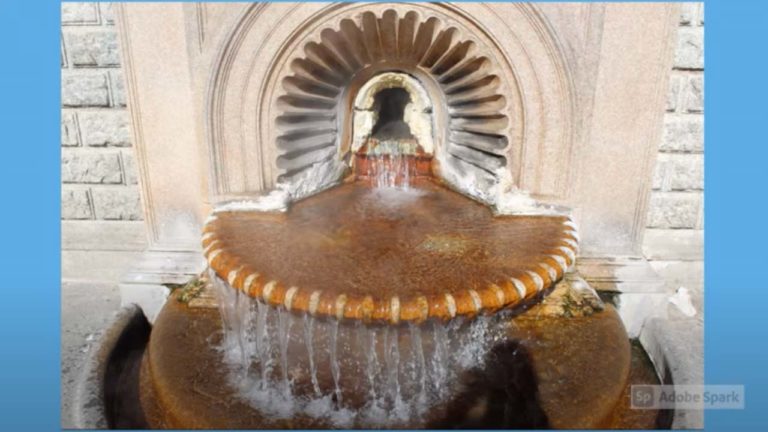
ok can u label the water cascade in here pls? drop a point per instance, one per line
(385, 375)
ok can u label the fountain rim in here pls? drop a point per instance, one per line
(532, 280)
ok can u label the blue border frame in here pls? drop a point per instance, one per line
(30, 306)
(736, 175)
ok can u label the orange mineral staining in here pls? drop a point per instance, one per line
(389, 255)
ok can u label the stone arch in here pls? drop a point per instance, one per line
(257, 54)
(314, 123)
(418, 111)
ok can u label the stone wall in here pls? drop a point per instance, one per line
(98, 173)
(99, 176)
(675, 236)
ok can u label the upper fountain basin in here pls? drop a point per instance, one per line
(389, 254)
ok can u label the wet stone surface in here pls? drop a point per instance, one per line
(415, 244)
(550, 370)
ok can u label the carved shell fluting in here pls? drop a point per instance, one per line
(308, 123)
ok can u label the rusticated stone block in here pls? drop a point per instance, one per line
(690, 13)
(69, 135)
(689, 53)
(75, 204)
(105, 128)
(129, 166)
(694, 94)
(673, 93)
(93, 48)
(660, 172)
(79, 167)
(117, 78)
(686, 172)
(107, 12)
(84, 89)
(80, 13)
(674, 210)
(685, 134)
(117, 203)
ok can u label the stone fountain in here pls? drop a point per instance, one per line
(390, 239)
(388, 301)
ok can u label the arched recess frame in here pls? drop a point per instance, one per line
(244, 88)
(419, 112)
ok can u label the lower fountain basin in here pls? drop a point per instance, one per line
(388, 308)
(571, 371)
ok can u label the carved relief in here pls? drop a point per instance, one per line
(583, 118)
(505, 105)
(315, 122)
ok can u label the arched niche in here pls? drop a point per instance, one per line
(417, 113)
(247, 96)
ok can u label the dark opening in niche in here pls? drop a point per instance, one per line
(390, 105)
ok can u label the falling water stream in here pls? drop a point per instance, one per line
(287, 364)
(389, 165)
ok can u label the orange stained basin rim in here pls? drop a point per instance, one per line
(370, 254)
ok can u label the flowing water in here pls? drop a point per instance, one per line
(350, 373)
(390, 165)
(288, 364)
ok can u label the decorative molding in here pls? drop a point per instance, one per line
(544, 268)
(243, 90)
(553, 160)
(201, 19)
(321, 78)
(134, 109)
(225, 173)
(660, 96)
(160, 94)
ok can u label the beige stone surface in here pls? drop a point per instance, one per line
(164, 122)
(588, 91)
